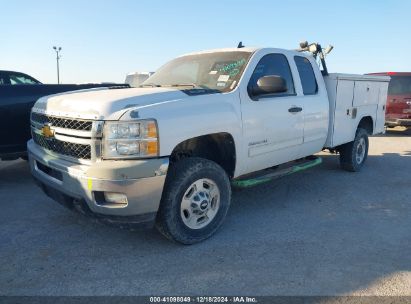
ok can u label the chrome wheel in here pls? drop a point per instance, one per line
(200, 203)
(360, 153)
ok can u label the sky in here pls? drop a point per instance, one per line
(104, 40)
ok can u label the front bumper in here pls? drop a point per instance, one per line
(81, 185)
(404, 122)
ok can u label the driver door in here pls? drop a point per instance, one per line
(272, 123)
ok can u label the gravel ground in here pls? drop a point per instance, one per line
(323, 231)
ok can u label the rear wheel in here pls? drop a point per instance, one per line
(195, 200)
(354, 154)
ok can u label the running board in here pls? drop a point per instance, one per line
(270, 174)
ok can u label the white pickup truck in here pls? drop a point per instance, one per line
(168, 151)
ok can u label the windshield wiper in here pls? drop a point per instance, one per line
(150, 85)
(193, 85)
(173, 85)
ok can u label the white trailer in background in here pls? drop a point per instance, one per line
(136, 78)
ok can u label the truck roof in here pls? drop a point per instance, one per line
(244, 49)
(12, 72)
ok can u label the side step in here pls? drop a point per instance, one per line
(270, 174)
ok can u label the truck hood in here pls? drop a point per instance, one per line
(104, 103)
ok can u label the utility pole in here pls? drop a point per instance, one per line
(58, 56)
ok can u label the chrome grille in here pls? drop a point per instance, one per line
(75, 150)
(59, 122)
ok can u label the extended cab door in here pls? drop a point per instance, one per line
(272, 123)
(313, 98)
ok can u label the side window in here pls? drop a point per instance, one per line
(307, 76)
(274, 64)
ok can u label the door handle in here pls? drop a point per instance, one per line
(295, 109)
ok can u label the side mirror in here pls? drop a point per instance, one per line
(269, 85)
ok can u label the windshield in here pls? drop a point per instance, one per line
(215, 72)
(399, 85)
(8, 78)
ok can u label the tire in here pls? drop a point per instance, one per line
(191, 184)
(354, 154)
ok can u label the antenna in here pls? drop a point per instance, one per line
(240, 45)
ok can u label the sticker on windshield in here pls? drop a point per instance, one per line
(231, 68)
(234, 72)
(223, 78)
(232, 65)
(221, 84)
(233, 84)
(212, 72)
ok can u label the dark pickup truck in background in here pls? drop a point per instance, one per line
(18, 93)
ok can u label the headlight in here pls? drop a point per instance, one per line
(130, 139)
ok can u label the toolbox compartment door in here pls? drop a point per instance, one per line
(343, 122)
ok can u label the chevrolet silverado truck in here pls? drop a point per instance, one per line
(18, 93)
(168, 152)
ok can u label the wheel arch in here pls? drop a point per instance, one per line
(218, 147)
(366, 123)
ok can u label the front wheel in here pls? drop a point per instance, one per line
(195, 200)
(354, 154)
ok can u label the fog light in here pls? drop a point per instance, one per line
(115, 198)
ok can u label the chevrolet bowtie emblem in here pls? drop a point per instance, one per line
(47, 131)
